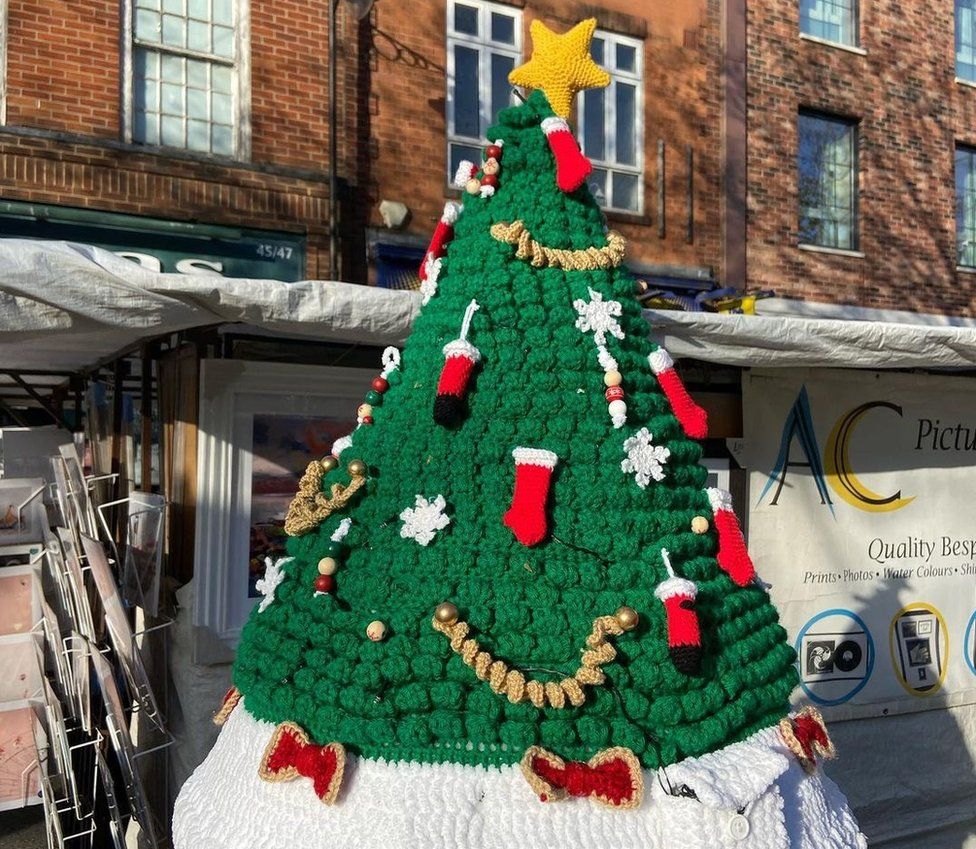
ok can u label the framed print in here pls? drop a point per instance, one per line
(20, 600)
(76, 583)
(144, 551)
(53, 659)
(23, 518)
(116, 828)
(119, 632)
(77, 491)
(20, 776)
(260, 426)
(117, 728)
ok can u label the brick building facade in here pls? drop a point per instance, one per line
(888, 71)
(70, 136)
(85, 121)
(720, 92)
(678, 225)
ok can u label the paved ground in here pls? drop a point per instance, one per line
(23, 829)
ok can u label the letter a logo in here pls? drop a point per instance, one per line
(798, 424)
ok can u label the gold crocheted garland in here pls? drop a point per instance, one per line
(515, 685)
(541, 256)
(311, 506)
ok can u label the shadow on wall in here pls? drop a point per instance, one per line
(910, 777)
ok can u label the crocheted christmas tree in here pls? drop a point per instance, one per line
(514, 558)
(530, 477)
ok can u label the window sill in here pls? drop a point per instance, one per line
(849, 48)
(621, 216)
(965, 269)
(968, 83)
(819, 249)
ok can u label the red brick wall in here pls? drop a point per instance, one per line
(63, 80)
(62, 65)
(681, 100)
(910, 112)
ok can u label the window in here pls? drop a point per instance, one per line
(484, 43)
(184, 81)
(966, 207)
(966, 40)
(612, 126)
(827, 181)
(831, 20)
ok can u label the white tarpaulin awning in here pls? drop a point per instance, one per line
(66, 306)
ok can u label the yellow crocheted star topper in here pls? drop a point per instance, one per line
(561, 65)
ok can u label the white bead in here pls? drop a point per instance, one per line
(617, 408)
(612, 378)
(327, 566)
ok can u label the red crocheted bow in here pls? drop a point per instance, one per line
(806, 736)
(613, 777)
(290, 754)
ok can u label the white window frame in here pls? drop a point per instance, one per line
(240, 86)
(636, 78)
(485, 48)
(854, 22)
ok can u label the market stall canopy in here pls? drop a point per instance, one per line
(65, 307)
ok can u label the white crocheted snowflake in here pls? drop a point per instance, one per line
(273, 576)
(428, 286)
(422, 521)
(598, 316)
(644, 459)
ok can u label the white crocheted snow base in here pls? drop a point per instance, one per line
(751, 795)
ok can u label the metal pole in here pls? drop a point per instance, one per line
(333, 146)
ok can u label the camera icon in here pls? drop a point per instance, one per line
(834, 657)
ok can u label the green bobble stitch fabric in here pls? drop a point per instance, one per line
(307, 659)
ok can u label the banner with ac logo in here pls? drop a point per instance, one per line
(862, 516)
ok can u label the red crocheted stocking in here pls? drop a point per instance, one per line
(684, 636)
(533, 475)
(572, 167)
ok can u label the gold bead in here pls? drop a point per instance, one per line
(473, 186)
(328, 566)
(357, 468)
(329, 463)
(699, 524)
(612, 378)
(364, 410)
(446, 613)
(627, 618)
(376, 630)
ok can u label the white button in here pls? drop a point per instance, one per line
(738, 827)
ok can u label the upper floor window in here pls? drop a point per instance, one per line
(827, 181)
(966, 40)
(831, 20)
(484, 43)
(184, 86)
(966, 207)
(612, 126)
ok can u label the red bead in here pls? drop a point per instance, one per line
(324, 584)
(381, 384)
(493, 151)
(490, 180)
(614, 393)
(367, 419)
